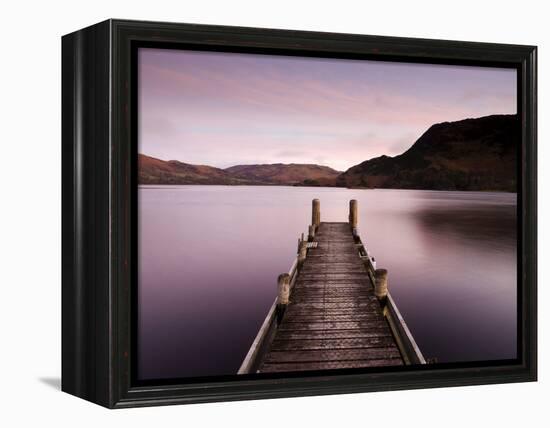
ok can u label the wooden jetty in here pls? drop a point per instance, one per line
(333, 309)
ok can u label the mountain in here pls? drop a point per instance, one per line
(287, 174)
(156, 171)
(471, 154)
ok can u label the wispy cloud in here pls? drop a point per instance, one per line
(221, 109)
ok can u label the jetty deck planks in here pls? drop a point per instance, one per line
(333, 319)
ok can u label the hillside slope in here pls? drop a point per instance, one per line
(471, 154)
(156, 171)
(288, 174)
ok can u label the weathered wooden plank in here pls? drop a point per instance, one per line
(348, 294)
(359, 277)
(355, 317)
(320, 308)
(336, 291)
(335, 298)
(308, 271)
(332, 306)
(314, 298)
(333, 293)
(339, 258)
(327, 299)
(321, 272)
(324, 312)
(321, 313)
(347, 343)
(323, 269)
(325, 247)
(334, 334)
(297, 310)
(334, 288)
(326, 242)
(324, 259)
(344, 267)
(341, 292)
(329, 365)
(348, 252)
(333, 319)
(332, 355)
(304, 283)
(360, 284)
(346, 325)
(332, 242)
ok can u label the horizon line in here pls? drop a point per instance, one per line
(325, 165)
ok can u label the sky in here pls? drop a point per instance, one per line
(225, 109)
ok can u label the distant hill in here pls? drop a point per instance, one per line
(156, 171)
(288, 174)
(471, 154)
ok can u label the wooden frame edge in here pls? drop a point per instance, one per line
(96, 347)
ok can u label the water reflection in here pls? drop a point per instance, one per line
(472, 223)
(209, 256)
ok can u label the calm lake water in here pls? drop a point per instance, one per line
(209, 257)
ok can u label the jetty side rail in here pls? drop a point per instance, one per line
(408, 348)
(267, 330)
(293, 273)
(250, 362)
(366, 258)
(405, 341)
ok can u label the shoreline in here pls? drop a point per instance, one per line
(323, 187)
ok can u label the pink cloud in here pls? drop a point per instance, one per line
(191, 102)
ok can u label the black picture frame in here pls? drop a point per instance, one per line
(98, 211)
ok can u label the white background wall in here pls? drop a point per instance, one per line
(30, 273)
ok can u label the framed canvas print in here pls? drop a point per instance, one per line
(253, 213)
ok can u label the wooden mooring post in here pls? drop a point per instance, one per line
(353, 216)
(333, 308)
(315, 213)
(310, 232)
(381, 285)
(284, 288)
(302, 252)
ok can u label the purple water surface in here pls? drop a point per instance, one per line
(209, 257)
